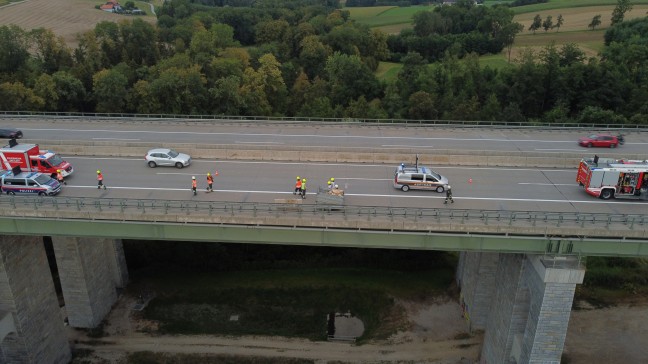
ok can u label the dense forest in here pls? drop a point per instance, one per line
(308, 58)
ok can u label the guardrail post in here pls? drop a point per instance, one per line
(78, 205)
(98, 205)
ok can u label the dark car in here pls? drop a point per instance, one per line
(599, 140)
(10, 133)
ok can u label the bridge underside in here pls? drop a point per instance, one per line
(315, 236)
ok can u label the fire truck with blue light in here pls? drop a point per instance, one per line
(614, 178)
(30, 158)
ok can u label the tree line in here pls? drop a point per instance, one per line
(309, 59)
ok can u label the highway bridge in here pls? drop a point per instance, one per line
(520, 220)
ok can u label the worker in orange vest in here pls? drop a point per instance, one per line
(210, 182)
(194, 184)
(59, 177)
(100, 180)
(298, 185)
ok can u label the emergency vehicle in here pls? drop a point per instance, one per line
(618, 178)
(28, 183)
(29, 157)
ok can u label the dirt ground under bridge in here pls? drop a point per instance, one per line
(437, 333)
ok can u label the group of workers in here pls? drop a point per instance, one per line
(210, 183)
(300, 185)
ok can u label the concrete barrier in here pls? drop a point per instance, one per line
(324, 154)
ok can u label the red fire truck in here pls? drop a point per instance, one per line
(618, 178)
(29, 157)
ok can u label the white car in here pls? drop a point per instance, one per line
(167, 157)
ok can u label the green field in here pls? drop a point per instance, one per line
(388, 15)
(565, 4)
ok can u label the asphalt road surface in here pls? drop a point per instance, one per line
(426, 139)
(518, 189)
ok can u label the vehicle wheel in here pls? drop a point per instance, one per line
(179, 165)
(152, 164)
(613, 145)
(12, 193)
(606, 194)
(42, 194)
(589, 145)
(440, 189)
(405, 188)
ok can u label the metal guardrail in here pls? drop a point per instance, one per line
(309, 120)
(18, 206)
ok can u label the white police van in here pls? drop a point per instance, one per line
(28, 183)
(415, 177)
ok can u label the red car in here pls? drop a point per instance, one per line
(599, 140)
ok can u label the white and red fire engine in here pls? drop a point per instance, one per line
(29, 157)
(618, 178)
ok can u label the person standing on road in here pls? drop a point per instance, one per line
(210, 182)
(100, 178)
(448, 195)
(59, 177)
(303, 188)
(194, 184)
(298, 185)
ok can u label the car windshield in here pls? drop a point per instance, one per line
(55, 160)
(42, 179)
(593, 136)
(172, 153)
(435, 175)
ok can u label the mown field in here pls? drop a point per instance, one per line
(65, 18)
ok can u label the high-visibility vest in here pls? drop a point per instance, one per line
(100, 177)
(298, 184)
(303, 186)
(210, 179)
(193, 183)
(59, 176)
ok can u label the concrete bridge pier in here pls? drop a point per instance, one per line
(90, 270)
(476, 278)
(31, 324)
(529, 306)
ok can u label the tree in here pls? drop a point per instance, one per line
(508, 34)
(350, 79)
(109, 91)
(596, 21)
(422, 106)
(15, 96)
(547, 23)
(559, 22)
(51, 51)
(13, 48)
(619, 11)
(537, 23)
(71, 92)
(45, 88)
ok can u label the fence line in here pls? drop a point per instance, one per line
(25, 206)
(311, 120)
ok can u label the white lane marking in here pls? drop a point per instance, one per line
(240, 142)
(407, 146)
(564, 150)
(441, 196)
(340, 164)
(548, 184)
(306, 135)
(114, 139)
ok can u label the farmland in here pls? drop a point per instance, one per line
(66, 18)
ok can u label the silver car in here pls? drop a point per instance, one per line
(167, 157)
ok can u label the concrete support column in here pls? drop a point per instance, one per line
(118, 261)
(476, 280)
(89, 270)
(33, 329)
(530, 312)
